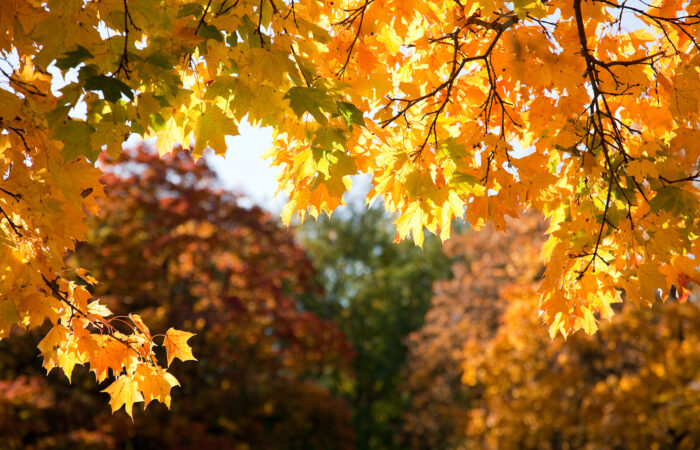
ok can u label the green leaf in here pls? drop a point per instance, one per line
(160, 60)
(630, 194)
(137, 128)
(210, 32)
(312, 100)
(76, 137)
(157, 122)
(73, 58)
(675, 200)
(350, 113)
(111, 88)
(190, 9)
(58, 114)
(232, 39)
(615, 215)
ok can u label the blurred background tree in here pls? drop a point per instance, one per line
(464, 308)
(376, 291)
(483, 371)
(635, 384)
(173, 248)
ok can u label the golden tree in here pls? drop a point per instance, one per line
(587, 111)
(484, 373)
(632, 385)
(466, 308)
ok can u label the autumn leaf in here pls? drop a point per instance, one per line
(8, 316)
(155, 384)
(124, 392)
(176, 345)
(82, 273)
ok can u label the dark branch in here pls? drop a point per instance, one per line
(348, 22)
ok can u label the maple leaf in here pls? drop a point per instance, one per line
(8, 316)
(124, 392)
(176, 345)
(107, 354)
(155, 384)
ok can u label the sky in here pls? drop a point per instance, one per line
(244, 170)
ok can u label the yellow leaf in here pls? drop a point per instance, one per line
(96, 307)
(589, 322)
(82, 273)
(176, 345)
(556, 308)
(650, 279)
(411, 221)
(169, 136)
(8, 316)
(155, 384)
(35, 308)
(67, 359)
(50, 345)
(124, 392)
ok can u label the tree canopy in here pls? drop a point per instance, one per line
(586, 111)
(632, 385)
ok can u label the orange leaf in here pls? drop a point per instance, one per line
(176, 345)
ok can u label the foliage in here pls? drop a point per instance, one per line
(178, 251)
(377, 292)
(464, 309)
(172, 70)
(485, 374)
(587, 111)
(634, 385)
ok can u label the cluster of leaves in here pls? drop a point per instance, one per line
(175, 70)
(587, 111)
(177, 250)
(377, 292)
